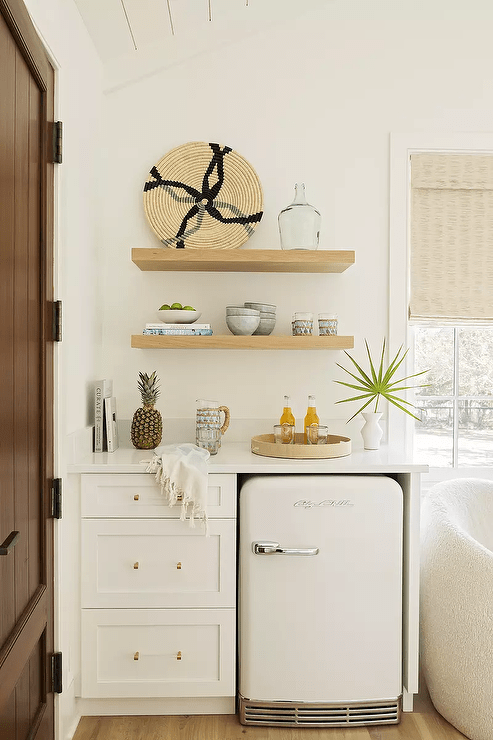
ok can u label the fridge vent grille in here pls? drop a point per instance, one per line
(296, 714)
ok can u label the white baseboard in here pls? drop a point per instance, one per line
(70, 732)
(128, 707)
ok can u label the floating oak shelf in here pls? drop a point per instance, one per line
(217, 341)
(242, 260)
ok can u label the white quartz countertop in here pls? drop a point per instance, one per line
(236, 457)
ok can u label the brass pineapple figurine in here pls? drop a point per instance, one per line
(147, 423)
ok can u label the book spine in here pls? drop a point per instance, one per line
(105, 436)
(179, 332)
(98, 417)
(115, 424)
(102, 389)
(109, 417)
(162, 325)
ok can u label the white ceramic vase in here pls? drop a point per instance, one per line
(372, 431)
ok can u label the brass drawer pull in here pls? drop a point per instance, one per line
(178, 657)
(136, 655)
(136, 566)
(136, 497)
(178, 566)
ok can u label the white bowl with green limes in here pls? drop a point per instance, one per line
(178, 314)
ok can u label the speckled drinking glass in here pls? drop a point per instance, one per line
(317, 434)
(302, 324)
(327, 324)
(209, 439)
(284, 434)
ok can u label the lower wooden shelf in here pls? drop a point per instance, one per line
(218, 341)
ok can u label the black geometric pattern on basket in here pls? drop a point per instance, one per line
(204, 201)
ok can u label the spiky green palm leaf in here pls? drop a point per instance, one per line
(380, 383)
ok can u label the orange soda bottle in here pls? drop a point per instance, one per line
(311, 416)
(287, 415)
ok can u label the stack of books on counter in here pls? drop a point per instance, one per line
(186, 330)
(105, 422)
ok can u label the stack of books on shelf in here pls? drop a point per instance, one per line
(185, 330)
(105, 422)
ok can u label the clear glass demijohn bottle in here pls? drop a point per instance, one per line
(299, 223)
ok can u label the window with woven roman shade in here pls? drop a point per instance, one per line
(451, 230)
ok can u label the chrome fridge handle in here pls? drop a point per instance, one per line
(273, 548)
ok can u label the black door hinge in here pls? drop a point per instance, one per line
(56, 498)
(56, 673)
(57, 321)
(57, 142)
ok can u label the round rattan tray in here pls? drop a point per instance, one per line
(264, 444)
(203, 196)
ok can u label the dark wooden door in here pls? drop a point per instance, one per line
(26, 380)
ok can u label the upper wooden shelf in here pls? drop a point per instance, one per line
(242, 260)
(155, 341)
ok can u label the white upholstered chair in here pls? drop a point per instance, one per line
(457, 603)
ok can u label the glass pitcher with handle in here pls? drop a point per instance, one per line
(209, 427)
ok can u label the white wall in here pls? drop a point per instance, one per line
(78, 105)
(78, 358)
(312, 99)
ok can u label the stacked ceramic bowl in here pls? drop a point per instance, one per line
(242, 320)
(267, 313)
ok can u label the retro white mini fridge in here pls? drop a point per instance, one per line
(320, 600)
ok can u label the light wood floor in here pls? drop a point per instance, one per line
(422, 724)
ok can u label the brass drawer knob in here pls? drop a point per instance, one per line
(136, 655)
(178, 566)
(178, 656)
(136, 497)
(136, 566)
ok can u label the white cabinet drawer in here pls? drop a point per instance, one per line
(138, 495)
(158, 652)
(157, 563)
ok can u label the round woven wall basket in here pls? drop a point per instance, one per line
(203, 196)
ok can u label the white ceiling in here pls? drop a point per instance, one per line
(135, 38)
(121, 26)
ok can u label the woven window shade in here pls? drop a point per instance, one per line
(451, 237)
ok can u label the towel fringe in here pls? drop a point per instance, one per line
(173, 494)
